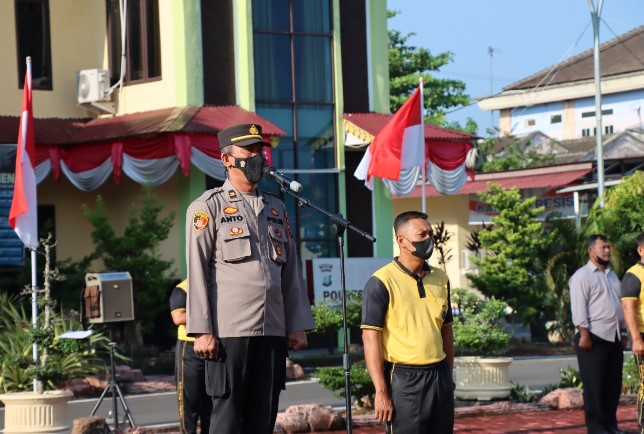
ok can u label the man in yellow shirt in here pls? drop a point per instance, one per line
(633, 306)
(407, 335)
(194, 403)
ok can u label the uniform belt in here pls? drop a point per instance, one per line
(429, 367)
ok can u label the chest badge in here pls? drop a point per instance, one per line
(278, 233)
(235, 231)
(232, 194)
(274, 212)
(200, 220)
(278, 250)
(230, 210)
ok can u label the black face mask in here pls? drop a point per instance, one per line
(603, 262)
(251, 167)
(424, 249)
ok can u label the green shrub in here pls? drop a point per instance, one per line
(630, 376)
(333, 378)
(476, 328)
(66, 358)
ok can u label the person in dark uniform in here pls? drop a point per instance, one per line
(194, 403)
(247, 303)
(633, 305)
(601, 336)
(407, 335)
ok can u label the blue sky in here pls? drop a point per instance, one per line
(526, 37)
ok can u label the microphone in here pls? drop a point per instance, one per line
(282, 179)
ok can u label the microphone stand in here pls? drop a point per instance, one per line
(340, 224)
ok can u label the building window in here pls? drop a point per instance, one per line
(530, 123)
(143, 41)
(608, 129)
(32, 35)
(585, 132)
(294, 90)
(555, 119)
(605, 112)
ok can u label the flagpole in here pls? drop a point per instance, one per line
(423, 170)
(32, 249)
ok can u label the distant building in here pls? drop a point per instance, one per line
(559, 101)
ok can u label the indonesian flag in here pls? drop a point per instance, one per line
(23, 213)
(399, 146)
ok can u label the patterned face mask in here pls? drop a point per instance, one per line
(251, 167)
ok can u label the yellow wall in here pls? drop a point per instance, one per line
(454, 211)
(78, 30)
(73, 231)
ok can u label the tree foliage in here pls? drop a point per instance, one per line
(407, 63)
(476, 329)
(327, 314)
(509, 269)
(621, 219)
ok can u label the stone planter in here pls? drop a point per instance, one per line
(481, 378)
(35, 413)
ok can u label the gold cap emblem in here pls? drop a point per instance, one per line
(253, 130)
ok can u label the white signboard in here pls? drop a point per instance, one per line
(326, 275)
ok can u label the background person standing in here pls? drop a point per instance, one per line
(601, 335)
(633, 305)
(407, 334)
(194, 403)
(247, 303)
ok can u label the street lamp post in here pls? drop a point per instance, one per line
(595, 14)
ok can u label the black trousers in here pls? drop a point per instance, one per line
(423, 398)
(601, 372)
(245, 384)
(194, 402)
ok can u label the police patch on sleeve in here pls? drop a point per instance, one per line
(200, 220)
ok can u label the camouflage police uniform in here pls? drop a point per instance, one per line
(246, 288)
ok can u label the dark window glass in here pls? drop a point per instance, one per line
(313, 69)
(294, 90)
(143, 40)
(315, 137)
(555, 119)
(134, 41)
(273, 67)
(312, 16)
(32, 35)
(271, 15)
(153, 37)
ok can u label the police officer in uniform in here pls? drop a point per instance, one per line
(194, 404)
(247, 304)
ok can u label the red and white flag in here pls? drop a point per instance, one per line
(23, 213)
(399, 146)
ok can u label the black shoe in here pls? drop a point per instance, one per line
(616, 431)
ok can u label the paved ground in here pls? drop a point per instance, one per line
(541, 422)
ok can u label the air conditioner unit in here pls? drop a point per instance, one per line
(93, 85)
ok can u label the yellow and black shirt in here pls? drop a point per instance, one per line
(633, 288)
(410, 311)
(178, 300)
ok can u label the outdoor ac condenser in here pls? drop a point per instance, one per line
(93, 85)
(108, 297)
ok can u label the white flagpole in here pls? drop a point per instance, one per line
(423, 170)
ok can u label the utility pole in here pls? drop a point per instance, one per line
(595, 14)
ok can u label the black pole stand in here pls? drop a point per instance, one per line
(115, 389)
(340, 224)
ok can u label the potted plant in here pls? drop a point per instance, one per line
(480, 373)
(42, 409)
